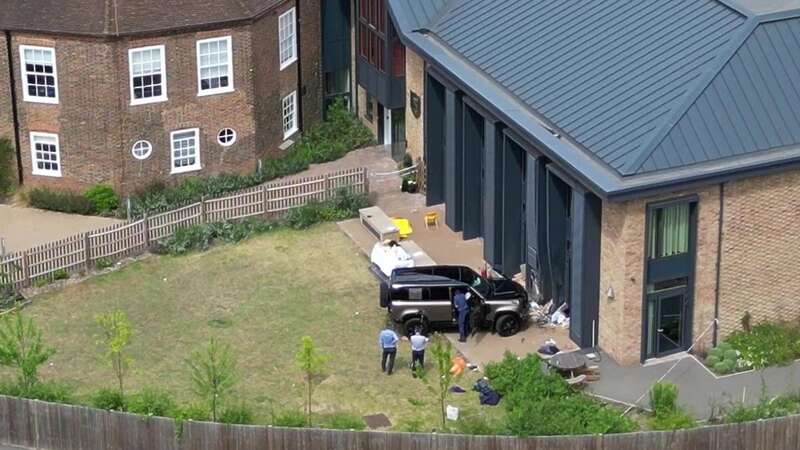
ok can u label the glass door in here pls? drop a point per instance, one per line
(666, 312)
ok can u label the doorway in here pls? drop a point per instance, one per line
(666, 322)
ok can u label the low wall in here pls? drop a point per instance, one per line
(47, 426)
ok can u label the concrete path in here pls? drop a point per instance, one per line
(699, 390)
(23, 228)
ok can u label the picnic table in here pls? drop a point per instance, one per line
(567, 362)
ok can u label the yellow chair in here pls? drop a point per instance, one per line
(432, 219)
(404, 229)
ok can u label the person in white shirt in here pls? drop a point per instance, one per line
(418, 344)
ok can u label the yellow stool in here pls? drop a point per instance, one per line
(432, 219)
(404, 229)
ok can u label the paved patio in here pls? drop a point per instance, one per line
(23, 228)
(699, 390)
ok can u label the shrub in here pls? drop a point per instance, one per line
(289, 418)
(343, 421)
(103, 197)
(667, 415)
(108, 399)
(538, 402)
(766, 408)
(767, 344)
(193, 411)
(477, 426)
(60, 274)
(340, 133)
(237, 415)
(62, 201)
(411, 426)
(7, 167)
(45, 391)
(151, 402)
(201, 237)
(723, 359)
(104, 263)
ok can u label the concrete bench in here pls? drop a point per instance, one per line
(378, 223)
(420, 257)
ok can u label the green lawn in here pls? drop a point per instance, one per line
(261, 297)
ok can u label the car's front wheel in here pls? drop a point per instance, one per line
(507, 325)
(414, 325)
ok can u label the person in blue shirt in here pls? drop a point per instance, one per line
(388, 340)
(462, 308)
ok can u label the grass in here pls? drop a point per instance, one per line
(261, 297)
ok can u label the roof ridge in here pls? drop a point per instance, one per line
(703, 82)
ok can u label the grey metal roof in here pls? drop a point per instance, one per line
(419, 14)
(752, 104)
(607, 73)
(623, 81)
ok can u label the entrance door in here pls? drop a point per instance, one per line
(666, 318)
(387, 126)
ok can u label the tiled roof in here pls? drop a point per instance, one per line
(124, 17)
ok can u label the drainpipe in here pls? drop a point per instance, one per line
(14, 111)
(300, 89)
(719, 261)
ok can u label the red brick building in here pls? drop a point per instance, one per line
(133, 93)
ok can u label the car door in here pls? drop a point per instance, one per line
(438, 304)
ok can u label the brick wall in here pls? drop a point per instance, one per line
(622, 269)
(185, 109)
(362, 111)
(97, 125)
(761, 245)
(271, 84)
(6, 113)
(415, 83)
(311, 60)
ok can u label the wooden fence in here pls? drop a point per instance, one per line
(83, 251)
(47, 426)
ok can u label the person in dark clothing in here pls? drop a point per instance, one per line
(476, 314)
(388, 340)
(462, 308)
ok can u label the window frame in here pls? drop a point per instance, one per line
(654, 245)
(221, 90)
(24, 73)
(43, 172)
(149, 151)
(144, 101)
(295, 126)
(197, 165)
(292, 59)
(233, 137)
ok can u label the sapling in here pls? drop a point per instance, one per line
(21, 347)
(442, 352)
(213, 371)
(115, 338)
(312, 364)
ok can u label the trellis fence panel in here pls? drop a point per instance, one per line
(106, 245)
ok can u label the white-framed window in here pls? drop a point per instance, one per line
(287, 38)
(226, 137)
(185, 148)
(45, 154)
(214, 66)
(148, 74)
(39, 74)
(289, 108)
(142, 150)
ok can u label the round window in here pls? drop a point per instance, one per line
(142, 150)
(226, 137)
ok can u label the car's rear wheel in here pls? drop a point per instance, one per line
(384, 295)
(507, 325)
(415, 324)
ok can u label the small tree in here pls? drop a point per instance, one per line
(115, 338)
(442, 352)
(213, 370)
(312, 364)
(21, 347)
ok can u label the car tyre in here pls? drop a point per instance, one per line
(507, 325)
(384, 295)
(414, 324)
